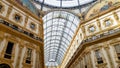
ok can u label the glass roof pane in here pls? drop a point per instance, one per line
(49, 30)
(48, 35)
(64, 14)
(58, 37)
(71, 18)
(55, 23)
(70, 3)
(50, 16)
(76, 21)
(84, 1)
(73, 27)
(53, 2)
(55, 19)
(69, 24)
(67, 30)
(58, 33)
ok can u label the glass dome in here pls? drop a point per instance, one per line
(64, 3)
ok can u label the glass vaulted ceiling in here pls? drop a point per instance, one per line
(64, 3)
(59, 28)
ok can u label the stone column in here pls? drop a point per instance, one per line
(109, 57)
(19, 56)
(90, 61)
(93, 59)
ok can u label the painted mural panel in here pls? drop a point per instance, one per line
(101, 6)
(28, 4)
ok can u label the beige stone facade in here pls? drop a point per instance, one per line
(21, 37)
(96, 43)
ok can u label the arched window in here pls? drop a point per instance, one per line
(4, 66)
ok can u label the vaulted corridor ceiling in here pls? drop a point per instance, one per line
(59, 28)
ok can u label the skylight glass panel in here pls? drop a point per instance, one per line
(52, 2)
(71, 18)
(73, 27)
(69, 38)
(84, 1)
(60, 29)
(64, 14)
(65, 35)
(62, 20)
(69, 24)
(50, 16)
(54, 32)
(52, 41)
(55, 19)
(58, 33)
(76, 20)
(63, 48)
(49, 23)
(50, 27)
(64, 43)
(53, 37)
(57, 41)
(56, 14)
(58, 37)
(48, 34)
(67, 30)
(49, 30)
(71, 33)
(70, 3)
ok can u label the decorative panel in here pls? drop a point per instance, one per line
(15, 15)
(91, 28)
(32, 25)
(3, 9)
(108, 19)
(29, 5)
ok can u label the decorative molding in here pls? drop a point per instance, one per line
(2, 8)
(106, 21)
(17, 14)
(9, 11)
(99, 24)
